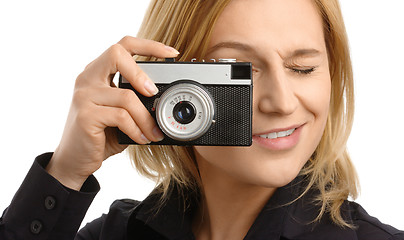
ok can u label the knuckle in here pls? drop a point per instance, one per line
(80, 95)
(115, 51)
(128, 96)
(126, 39)
(122, 116)
(89, 65)
(80, 79)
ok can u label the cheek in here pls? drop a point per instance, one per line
(315, 100)
(315, 96)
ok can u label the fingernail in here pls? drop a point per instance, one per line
(158, 134)
(151, 87)
(144, 139)
(173, 50)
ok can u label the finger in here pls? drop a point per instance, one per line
(119, 58)
(146, 47)
(115, 59)
(128, 100)
(127, 66)
(119, 117)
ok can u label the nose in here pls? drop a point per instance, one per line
(274, 94)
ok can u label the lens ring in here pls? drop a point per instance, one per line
(194, 93)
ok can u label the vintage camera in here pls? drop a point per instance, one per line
(199, 103)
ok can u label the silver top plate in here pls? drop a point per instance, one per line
(215, 74)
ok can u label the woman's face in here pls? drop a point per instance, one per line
(284, 40)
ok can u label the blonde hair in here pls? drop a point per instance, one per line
(187, 26)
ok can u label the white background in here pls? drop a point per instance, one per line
(44, 45)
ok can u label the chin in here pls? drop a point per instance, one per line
(261, 169)
(276, 178)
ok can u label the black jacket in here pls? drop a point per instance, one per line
(44, 209)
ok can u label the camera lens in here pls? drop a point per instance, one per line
(184, 112)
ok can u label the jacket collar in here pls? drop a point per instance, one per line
(282, 216)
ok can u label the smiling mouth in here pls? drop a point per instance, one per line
(274, 135)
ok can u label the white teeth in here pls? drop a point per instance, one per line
(274, 135)
(282, 134)
(270, 135)
(288, 132)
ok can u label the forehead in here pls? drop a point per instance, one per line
(278, 24)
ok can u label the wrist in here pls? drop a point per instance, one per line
(65, 176)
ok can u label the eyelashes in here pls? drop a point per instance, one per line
(294, 67)
(303, 71)
(299, 71)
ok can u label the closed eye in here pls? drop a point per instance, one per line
(303, 71)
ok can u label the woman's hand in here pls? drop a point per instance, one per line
(97, 105)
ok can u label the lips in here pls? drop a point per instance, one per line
(279, 139)
(281, 131)
(274, 135)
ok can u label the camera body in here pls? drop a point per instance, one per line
(199, 103)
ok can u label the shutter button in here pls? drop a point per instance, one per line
(50, 203)
(36, 227)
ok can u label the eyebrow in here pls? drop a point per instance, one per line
(235, 45)
(309, 52)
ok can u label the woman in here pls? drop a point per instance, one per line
(292, 183)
